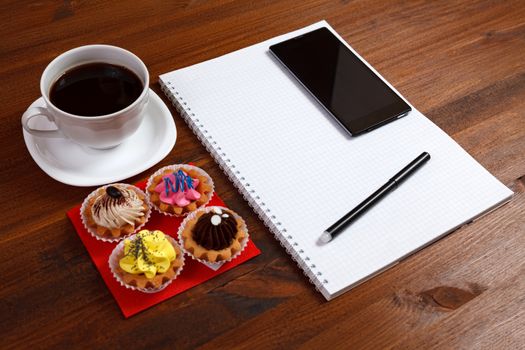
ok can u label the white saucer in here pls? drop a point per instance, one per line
(73, 164)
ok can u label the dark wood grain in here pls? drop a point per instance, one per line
(461, 63)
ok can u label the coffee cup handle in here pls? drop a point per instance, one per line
(35, 112)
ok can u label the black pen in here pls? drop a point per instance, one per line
(375, 197)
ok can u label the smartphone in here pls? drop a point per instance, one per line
(355, 96)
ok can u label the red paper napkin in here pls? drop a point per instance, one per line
(194, 273)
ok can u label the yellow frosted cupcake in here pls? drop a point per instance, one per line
(147, 261)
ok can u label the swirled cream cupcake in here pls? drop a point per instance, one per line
(213, 234)
(114, 211)
(147, 261)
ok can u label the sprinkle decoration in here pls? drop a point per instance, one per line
(178, 188)
(181, 181)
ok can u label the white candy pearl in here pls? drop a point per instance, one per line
(215, 220)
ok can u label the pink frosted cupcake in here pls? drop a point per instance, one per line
(179, 189)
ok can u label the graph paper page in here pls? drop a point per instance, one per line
(292, 156)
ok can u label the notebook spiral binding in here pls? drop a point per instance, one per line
(243, 186)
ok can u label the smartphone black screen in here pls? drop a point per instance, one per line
(347, 88)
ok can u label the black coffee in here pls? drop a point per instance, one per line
(95, 89)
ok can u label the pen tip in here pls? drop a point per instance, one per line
(325, 237)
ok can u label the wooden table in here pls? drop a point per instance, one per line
(461, 63)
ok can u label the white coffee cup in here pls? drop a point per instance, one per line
(101, 132)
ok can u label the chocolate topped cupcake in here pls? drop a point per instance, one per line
(213, 234)
(215, 230)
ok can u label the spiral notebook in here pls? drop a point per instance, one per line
(301, 172)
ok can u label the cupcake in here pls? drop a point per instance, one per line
(111, 212)
(179, 189)
(213, 234)
(147, 261)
